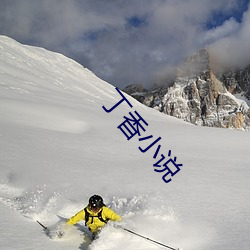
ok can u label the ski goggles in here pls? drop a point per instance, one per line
(94, 208)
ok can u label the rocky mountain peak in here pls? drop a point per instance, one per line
(200, 96)
(196, 64)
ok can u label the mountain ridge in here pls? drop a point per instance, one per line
(201, 95)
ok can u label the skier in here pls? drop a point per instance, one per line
(95, 214)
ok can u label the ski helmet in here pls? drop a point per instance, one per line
(96, 202)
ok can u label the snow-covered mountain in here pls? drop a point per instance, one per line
(58, 147)
(201, 95)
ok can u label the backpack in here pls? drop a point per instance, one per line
(88, 216)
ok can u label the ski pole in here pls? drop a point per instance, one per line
(45, 228)
(149, 239)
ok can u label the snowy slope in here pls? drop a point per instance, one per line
(58, 147)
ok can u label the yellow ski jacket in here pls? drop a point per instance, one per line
(94, 223)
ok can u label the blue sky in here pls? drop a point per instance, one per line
(131, 41)
(218, 17)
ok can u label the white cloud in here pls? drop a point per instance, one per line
(233, 50)
(228, 28)
(97, 32)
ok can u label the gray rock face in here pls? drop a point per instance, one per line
(237, 81)
(201, 97)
